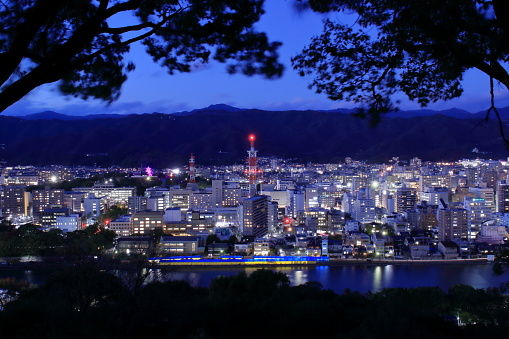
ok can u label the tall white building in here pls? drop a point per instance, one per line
(432, 195)
(92, 206)
(485, 193)
(478, 213)
(364, 210)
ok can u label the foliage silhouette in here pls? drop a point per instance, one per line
(83, 43)
(84, 302)
(419, 48)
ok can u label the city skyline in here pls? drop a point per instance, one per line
(149, 89)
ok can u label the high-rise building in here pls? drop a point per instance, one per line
(434, 180)
(180, 197)
(201, 201)
(485, 193)
(427, 216)
(255, 216)
(217, 193)
(13, 202)
(316, 219)
(452, 224)
(136, 203)
(74, 201)
(272, 216)
(406, 199)
(295, 202)
(46, 198)
(478, 213)
(503, 197)
(432, 195)
(364, 210)
(92, 206)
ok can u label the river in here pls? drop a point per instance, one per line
(337, 278)
(364, 278)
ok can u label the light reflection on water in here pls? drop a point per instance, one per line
(336, 278)
(365, 278)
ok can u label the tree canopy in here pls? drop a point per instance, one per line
(419, 48)
(83, 43)
(85, 302)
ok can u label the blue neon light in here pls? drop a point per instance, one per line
(238, 259)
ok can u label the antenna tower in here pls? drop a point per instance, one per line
(192, 170)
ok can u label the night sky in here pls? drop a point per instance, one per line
(150, 89)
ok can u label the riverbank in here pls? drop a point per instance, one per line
(39, 265)
(347, 262)
(332, 262)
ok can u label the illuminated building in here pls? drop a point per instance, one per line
(255, 216)
(478, 213)
(136, 203)
(49, 216)
(432, 195)
(434, 180)
(181, 245)
(503, 197)
(405, 199)
(113, 195)
(485, 193)
(202, 201)
(452, 224)
(145, 221)
(232, 196)
(69, 223)
(13, 201)
(122, 226)
(74, 201)
(92, 206)
(364, 210)
(180, 197)
(316, 219)
(46, 198)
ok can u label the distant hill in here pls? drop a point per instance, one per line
(452, 112)
(217, 136)
(50, 115)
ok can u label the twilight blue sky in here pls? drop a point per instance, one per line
(150, 89)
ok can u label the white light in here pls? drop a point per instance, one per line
(176, 171)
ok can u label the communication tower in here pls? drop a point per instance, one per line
(252, 166)
(192, 170)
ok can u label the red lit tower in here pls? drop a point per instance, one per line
(192, 170)
(252, 166)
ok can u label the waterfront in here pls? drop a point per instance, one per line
(363, 278)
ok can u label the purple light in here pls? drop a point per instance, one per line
(149, 171)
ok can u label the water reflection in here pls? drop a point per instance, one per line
(356, 278)
(377, 278)
(299, 278)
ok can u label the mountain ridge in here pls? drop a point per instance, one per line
(451, 112)
(220, 136)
